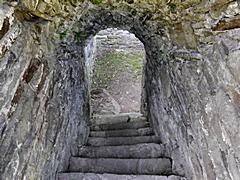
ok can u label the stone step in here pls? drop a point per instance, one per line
(160, 166)
(119, 118)
(92, 176)
(147, 150)
(118, 141)
(122, 133)
(119, 126)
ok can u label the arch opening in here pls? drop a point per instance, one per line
(90, 23)
(115, 60)
(153, 41)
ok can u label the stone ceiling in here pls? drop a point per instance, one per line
(188, 21)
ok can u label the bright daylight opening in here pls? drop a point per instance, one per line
(116, 59)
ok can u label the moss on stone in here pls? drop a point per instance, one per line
(172, 7)
(78, 36)
(63, 34)
(97, 2)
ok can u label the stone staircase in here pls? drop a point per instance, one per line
(121, 147)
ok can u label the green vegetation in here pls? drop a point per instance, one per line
(63, 34)
(112, 64)
(172, 7)
(135, 62)
(78, 36)
(97, 2)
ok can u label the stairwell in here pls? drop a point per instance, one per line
(121, 147)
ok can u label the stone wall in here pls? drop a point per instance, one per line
(119, 40)
(195, 109)
(191, 81)
(90, 53)
(43, 99)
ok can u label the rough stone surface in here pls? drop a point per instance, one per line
(111, 119)
(123, 125)
(91, 176)
(43, 101)
(117, 141)
(112, 39)
(122, 133)
(191, 81)
(121, 166)
(150, 150)
(141, 155)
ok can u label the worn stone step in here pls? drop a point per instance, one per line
(119, 126)
(147, 150)
(111, 119)
(92, 176)
(160, 166)
(123, 132)
(118, 141)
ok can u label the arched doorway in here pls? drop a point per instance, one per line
(115, 60)
(95, 20)
(72, 55)
(99, 19)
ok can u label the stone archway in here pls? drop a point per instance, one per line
(192, 81)
(157, 46)
(96, 19)
(61, 74)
